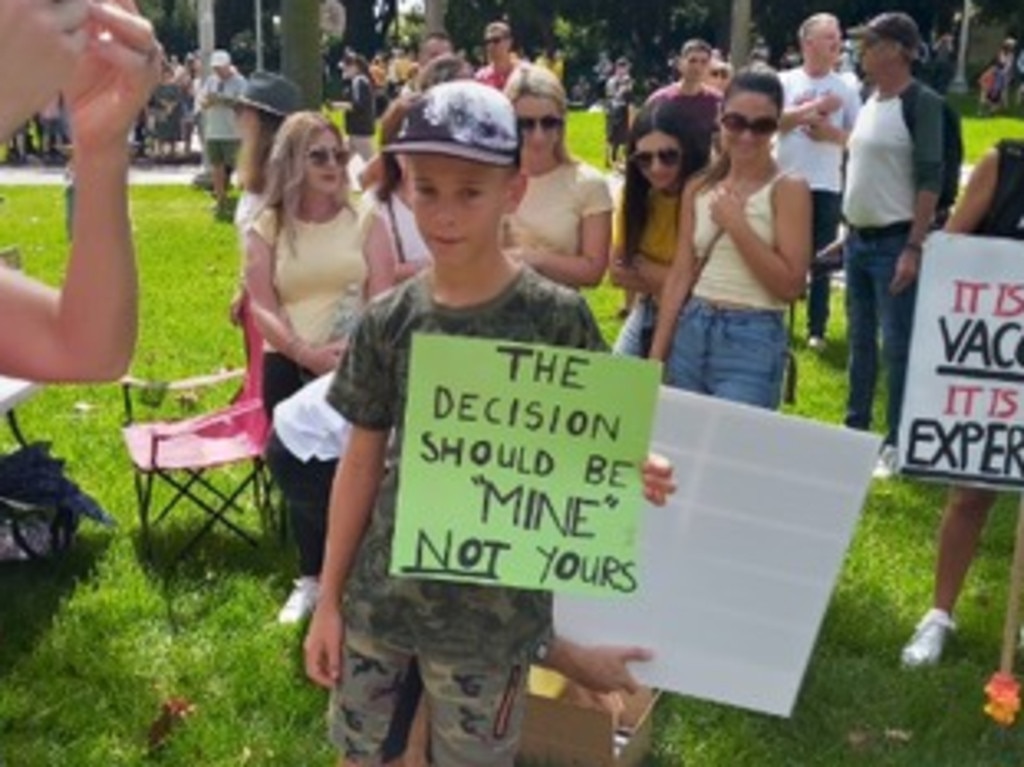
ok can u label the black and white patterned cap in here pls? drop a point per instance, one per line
(463, 119)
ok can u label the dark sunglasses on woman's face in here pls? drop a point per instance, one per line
(668, 157)
(322, 156)
(737, 123)
(545, 123)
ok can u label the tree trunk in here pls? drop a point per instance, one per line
(436, 10)
(739, 43)
(300, 48)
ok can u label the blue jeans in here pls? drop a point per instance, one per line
(635, 336)
(826, 211)
(733, 354)
(870, 265)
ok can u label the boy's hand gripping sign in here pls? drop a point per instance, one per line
(520, 465)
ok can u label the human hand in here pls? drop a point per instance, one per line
(657, 479)
(40, 43)
(907, 267)
(823, 130)
(114, 77)
(322, 359)
(626, 276)
(829, 103)
(322, 647)
(603, 669)
(727, 208)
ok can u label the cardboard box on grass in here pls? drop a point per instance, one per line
(559, 732)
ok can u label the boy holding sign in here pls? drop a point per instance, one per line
(473, 643)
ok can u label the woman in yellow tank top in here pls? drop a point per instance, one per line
(663, 152)
(744, 249)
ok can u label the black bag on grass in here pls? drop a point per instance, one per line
(40, 508)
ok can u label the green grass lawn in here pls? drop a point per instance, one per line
(92, 645)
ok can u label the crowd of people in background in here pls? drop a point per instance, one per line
(170, 128)
(735, 186)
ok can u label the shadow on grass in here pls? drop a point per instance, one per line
(33, 592)
(185, 571)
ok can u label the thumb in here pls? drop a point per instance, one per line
(637, 654)
(333, 660)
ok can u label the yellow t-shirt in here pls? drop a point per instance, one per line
(555, 203)
(314, 272)
(659, 238)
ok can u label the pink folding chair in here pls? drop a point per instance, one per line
(186, 454)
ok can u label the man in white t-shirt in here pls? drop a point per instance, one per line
(217, 100)
(893, 181)
(819, 112)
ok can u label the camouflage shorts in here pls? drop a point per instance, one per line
(476, 709)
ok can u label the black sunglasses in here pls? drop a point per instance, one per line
(737, 123)
(545, 123)
(321, 156)
(668, 157)
(494, 40)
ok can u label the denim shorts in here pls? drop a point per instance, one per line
(733, 354)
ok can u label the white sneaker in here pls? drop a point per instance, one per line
(888, 462)
(816, 343)
(925, 647)
(301, 601)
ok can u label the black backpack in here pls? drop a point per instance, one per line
(952, 142)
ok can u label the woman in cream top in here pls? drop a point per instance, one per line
(744, 249)
(562, 227)
(663, 151)
(304, 260)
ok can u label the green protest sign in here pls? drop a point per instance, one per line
(520, 465)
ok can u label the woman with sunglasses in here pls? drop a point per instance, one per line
(744, 248)
(664, 151)
(562, 227)
(304, 258)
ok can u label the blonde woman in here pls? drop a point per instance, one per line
(562, 227)
(303, 255)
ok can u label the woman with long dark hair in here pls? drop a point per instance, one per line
(663, 151)
(744, 249)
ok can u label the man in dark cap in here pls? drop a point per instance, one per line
(893, 180)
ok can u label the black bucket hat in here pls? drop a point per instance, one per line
(271, 93)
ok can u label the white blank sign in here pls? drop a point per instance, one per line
(737, 570)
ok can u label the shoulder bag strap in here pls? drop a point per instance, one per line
(397, 235)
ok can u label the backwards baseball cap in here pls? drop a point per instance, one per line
(220, 58)
(893, 25)
(463, 119)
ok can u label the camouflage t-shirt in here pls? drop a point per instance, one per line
(447, 620)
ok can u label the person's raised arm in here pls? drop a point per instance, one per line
(27, 28)
(87, 330)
